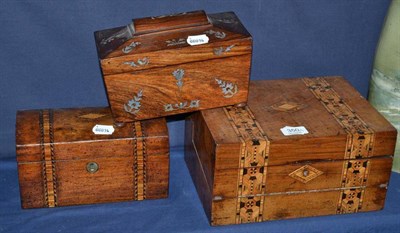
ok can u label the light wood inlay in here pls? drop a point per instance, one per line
(47, 147)
(359, 144)
(252, 164)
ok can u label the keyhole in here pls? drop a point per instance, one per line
(92, 167)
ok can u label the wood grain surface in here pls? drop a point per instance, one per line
(167, 22)
(159, 88)
(133, 162)
(341, 166)
(150, 70)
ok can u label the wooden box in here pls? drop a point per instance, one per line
(172, 64)
(246, 170)
(61, 161)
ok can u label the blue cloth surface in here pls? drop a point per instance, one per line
(48, 60)
(180, 212)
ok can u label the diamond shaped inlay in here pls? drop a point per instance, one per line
(305, 174)
(287, 106)
(92, 116)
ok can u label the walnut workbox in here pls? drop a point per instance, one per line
(302, 147)
(76, 156)
(172, 64)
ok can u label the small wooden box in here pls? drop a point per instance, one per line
(172, 64)
(61, 161)
(246, 170)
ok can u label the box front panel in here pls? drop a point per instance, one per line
(328, 175)
(113, 181)
(297, 205)
(94, 180)
(178, 89)
(93, 171)
(323, 203)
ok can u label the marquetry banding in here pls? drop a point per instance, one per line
(139, 165)
(48, 157)
(359, 145)
(253, 163)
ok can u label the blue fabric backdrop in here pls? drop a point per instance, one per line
(48, 60)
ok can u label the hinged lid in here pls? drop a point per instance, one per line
(339, 122)
(131, 46)
(72, 129)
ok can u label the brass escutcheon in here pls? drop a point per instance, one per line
(92, 167)
(305, 173)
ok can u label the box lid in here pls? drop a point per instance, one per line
(171, 39)
(340, 122)
(73, 129)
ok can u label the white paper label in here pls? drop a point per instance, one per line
(298, 130)
(197, 40)
(103, 129)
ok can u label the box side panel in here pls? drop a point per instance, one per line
(28, 136)
(379, 171)
(31, 185)
(194, 166)
(222, 131)
(204, 145)
(224, 212)
(178, 89)
(385, 143)
(374, 199)
(226, 183)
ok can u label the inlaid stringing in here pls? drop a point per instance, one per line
(252, 164)
(48, 157)
(360, 141)
(139, 166)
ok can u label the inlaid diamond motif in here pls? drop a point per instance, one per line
(306, 173)
(92, 116)
(285, 106)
